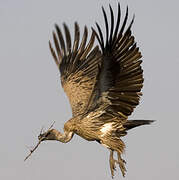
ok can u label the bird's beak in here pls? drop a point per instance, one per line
(42, 137)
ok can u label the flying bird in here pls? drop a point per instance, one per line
(103, 83)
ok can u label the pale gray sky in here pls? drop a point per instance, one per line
(31, 95)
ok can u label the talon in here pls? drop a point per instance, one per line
(112, 162)
(121, 163)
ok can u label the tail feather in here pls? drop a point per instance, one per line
(134, 123)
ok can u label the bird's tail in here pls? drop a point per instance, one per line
(135, 123)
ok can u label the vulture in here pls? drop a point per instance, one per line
(103, 82)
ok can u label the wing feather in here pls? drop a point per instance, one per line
(120, 76)
(78, 65)
(68, 38)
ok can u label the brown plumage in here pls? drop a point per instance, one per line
(103, 84)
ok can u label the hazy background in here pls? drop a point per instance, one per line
(31, 95)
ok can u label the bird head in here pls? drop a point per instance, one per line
(51, 134)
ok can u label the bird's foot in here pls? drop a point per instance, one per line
(121, 163)
(112, 162)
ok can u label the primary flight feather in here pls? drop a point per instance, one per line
(103, 83)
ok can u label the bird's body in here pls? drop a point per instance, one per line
(103, 85)
(92, 127)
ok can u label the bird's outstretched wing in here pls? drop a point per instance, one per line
(120, 78)
(78, 65)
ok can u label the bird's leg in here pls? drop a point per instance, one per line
(121, 163)
(112, 162)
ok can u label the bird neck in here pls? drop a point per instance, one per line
(65, 137)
